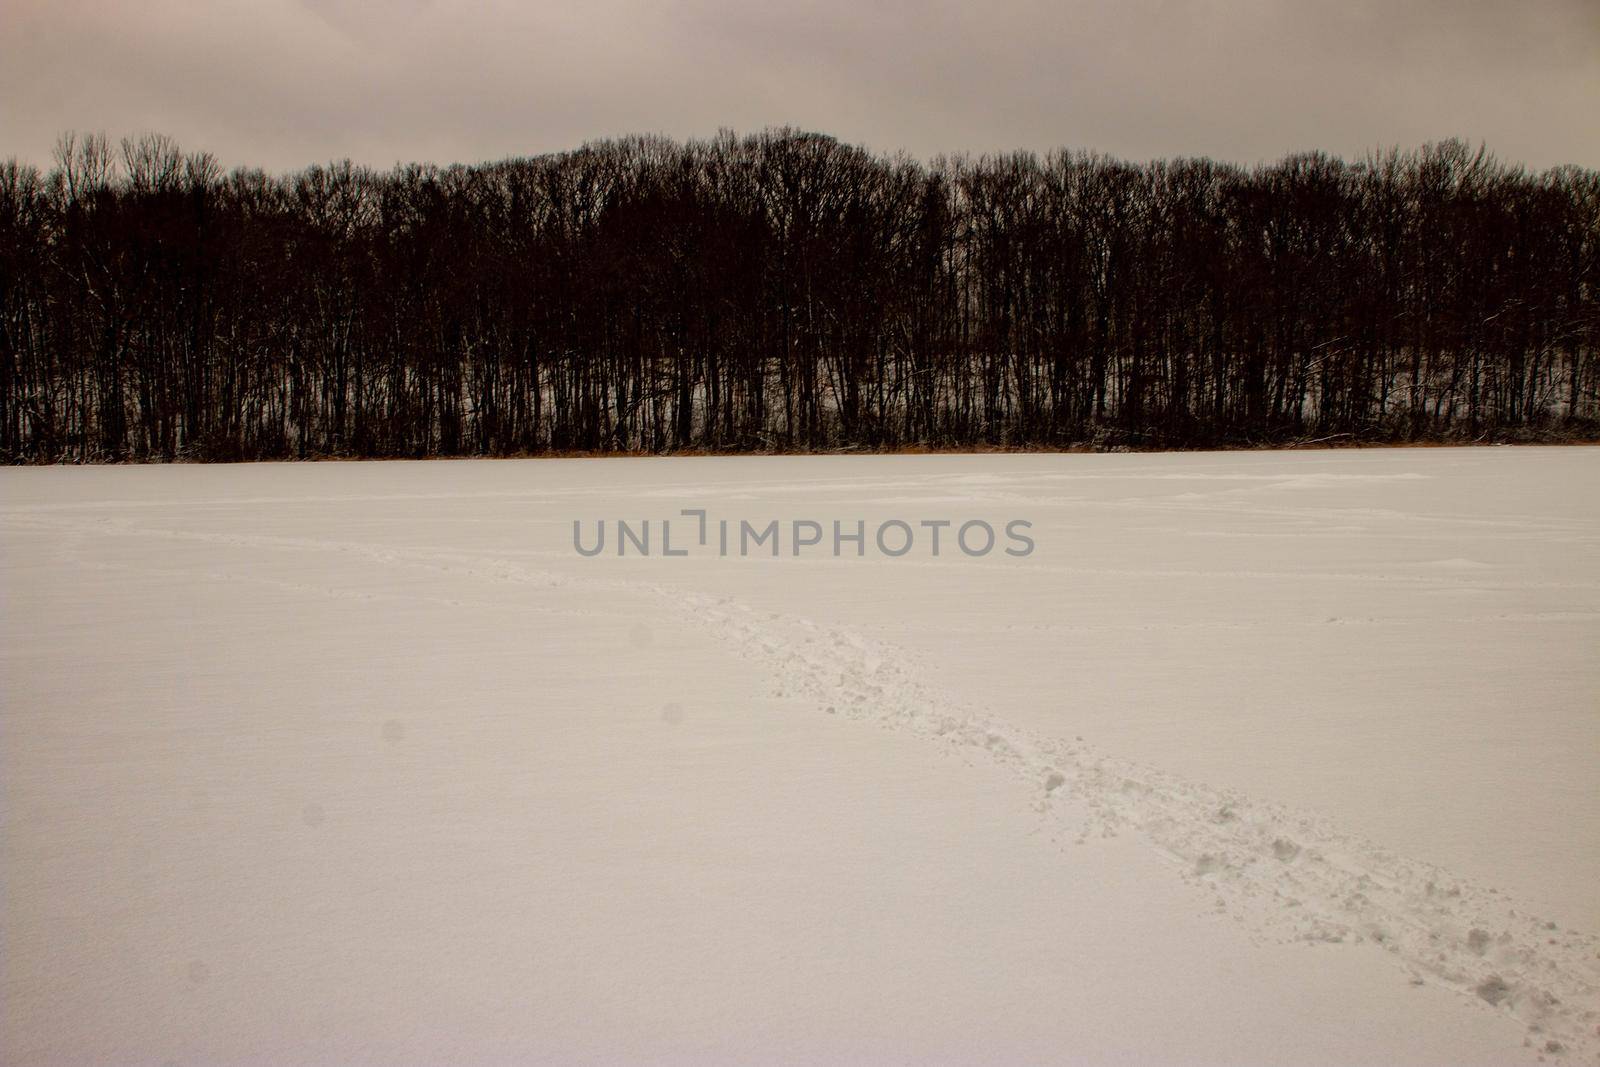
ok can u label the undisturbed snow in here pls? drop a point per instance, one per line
(1258, 758)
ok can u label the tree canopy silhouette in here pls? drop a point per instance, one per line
(787, 291)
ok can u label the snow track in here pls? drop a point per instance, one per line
(1281, 874)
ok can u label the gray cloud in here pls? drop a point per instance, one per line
(280, 83)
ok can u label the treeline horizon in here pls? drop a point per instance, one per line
(784, 291)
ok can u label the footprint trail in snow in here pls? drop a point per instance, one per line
(1284, 875)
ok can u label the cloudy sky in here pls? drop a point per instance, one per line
(281, 83)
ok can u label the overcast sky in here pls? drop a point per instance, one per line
(282, 83)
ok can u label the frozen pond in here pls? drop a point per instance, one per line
(1252, 757)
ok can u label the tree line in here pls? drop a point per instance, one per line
(785, 291)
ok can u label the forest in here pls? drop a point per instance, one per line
(785, 291)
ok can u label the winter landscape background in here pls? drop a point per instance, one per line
(1265, 733)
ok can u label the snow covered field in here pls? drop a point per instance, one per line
(1284, 758)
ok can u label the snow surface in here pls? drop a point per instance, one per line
(1281, 758)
